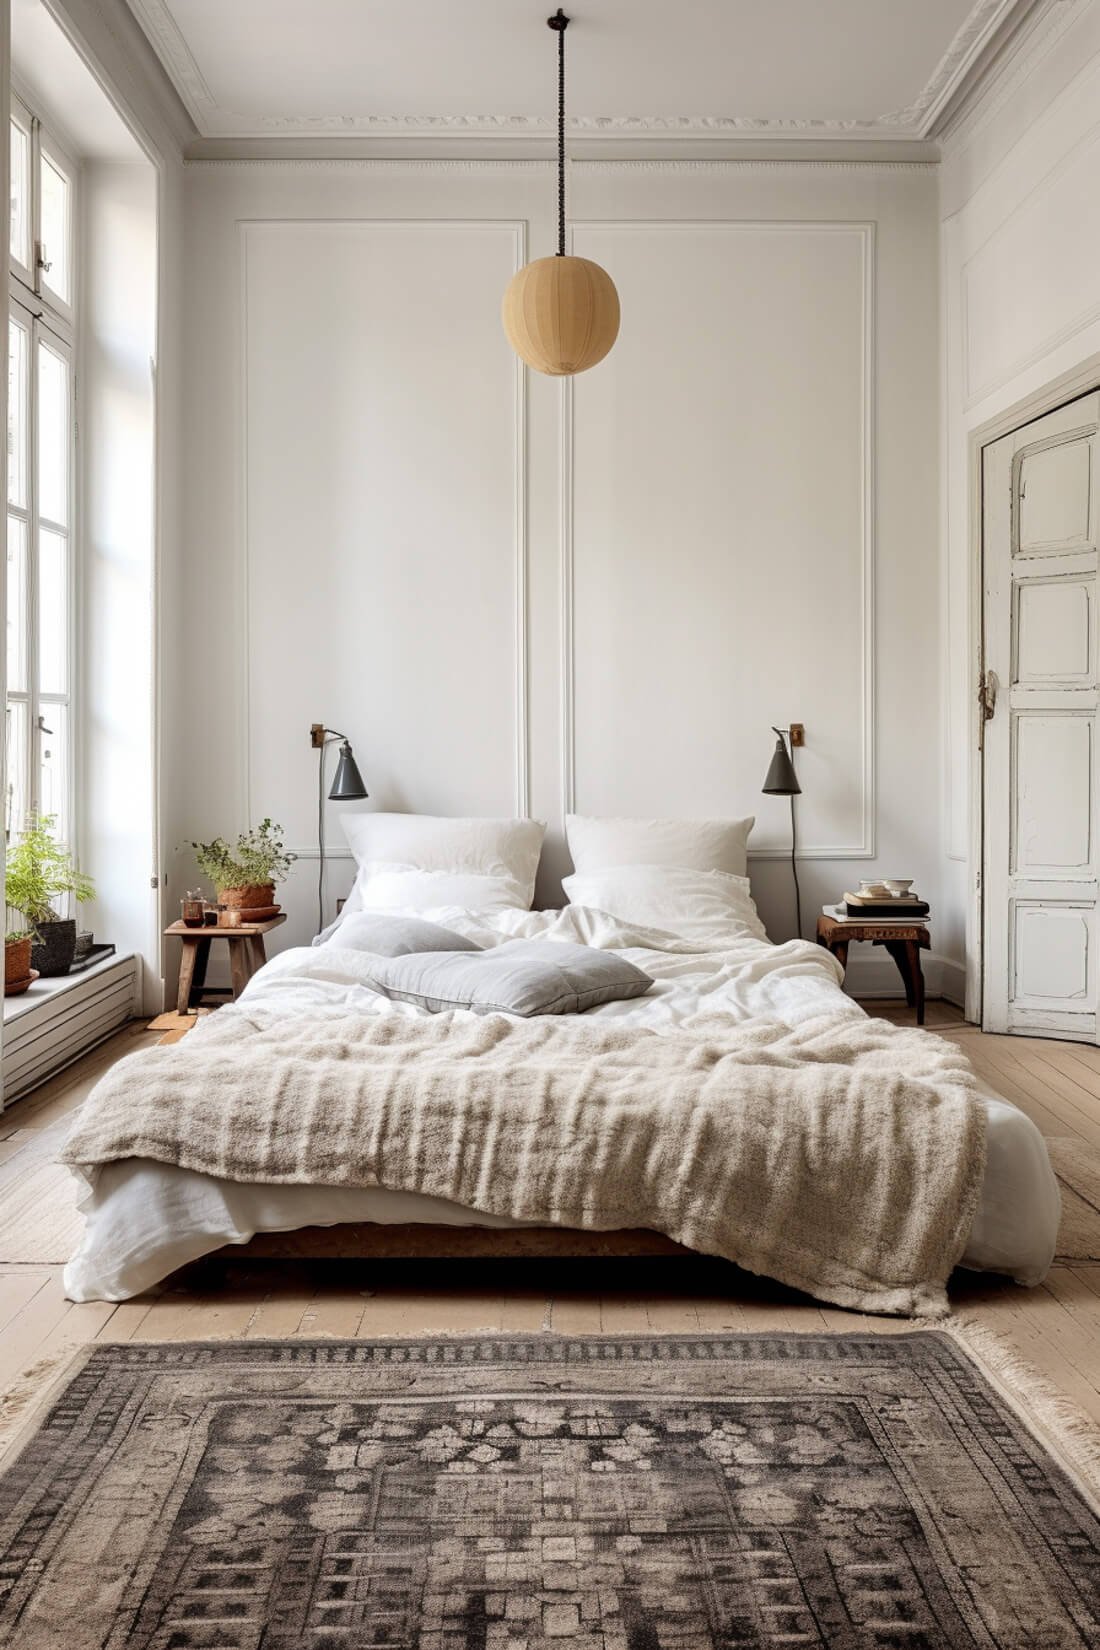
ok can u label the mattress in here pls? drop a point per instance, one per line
(144, 1219)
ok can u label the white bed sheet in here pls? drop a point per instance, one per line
(144, 1219)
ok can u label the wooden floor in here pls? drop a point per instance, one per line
(1056, 1327)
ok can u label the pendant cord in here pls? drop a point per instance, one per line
(559, 22)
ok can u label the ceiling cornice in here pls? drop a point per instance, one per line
(986, 23)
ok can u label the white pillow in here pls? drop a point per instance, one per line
(697, 905)
(702, 844)
(396, 888)
(424, 842)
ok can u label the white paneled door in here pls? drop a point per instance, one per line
(1039, 724)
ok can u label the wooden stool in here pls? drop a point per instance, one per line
(904, 940)
(246, 955)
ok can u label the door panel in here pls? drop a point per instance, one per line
(1051, 954)
(1054, 494)
(1039, 493)
(1055, 633)
(1052, 782)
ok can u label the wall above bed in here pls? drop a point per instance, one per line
(533, 596)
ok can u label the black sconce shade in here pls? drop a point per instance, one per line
(781, 778)
(347, 782)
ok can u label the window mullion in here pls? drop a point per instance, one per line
(34, 733)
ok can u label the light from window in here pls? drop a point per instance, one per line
(53, 784)
(53, 436)
(55, 221)
(17, 606)
(53, 612)
(20, 194)
(17, 416)
(16, 801)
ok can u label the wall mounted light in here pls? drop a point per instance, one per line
(781, 780)
(347, 786)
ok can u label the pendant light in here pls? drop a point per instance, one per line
(561, 314)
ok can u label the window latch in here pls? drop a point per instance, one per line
(40, 257)
(42, 728)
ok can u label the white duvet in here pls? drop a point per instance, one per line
(144, 1219)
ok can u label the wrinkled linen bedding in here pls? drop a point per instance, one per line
(754, 1003)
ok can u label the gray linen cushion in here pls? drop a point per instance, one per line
(520, 977)
(384, 935)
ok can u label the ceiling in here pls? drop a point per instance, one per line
(686, 69)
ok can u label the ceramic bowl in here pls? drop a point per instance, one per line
(878, 890)
(899, 885)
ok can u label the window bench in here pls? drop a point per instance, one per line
(58, 1020)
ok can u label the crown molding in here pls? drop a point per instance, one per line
(420, 135)
(1009, 68)
(475, 165)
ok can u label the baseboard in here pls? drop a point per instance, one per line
(953, 981)
(876, 975)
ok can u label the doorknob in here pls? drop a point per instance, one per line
(987, 702)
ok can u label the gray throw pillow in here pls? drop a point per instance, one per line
(384, 935)
(520, 977)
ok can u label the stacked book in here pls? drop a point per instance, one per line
(872, 908)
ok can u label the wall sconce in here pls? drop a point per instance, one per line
(781, 780)
(347, 786)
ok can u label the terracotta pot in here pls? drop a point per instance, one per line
(53, 951)
(251, 894)
(17, 960)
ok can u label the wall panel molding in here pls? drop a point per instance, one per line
(244, 571)
(864, 231)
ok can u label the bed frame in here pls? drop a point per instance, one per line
(365, 1241)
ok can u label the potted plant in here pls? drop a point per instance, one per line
(39, 871)
(245, 873)
(17, 960)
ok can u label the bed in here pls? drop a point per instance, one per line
(146, 1217)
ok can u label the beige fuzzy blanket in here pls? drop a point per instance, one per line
(842, 1156)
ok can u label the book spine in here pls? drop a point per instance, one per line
(889, 913)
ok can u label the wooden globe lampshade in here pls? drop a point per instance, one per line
(561, 314)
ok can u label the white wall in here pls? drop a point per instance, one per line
(1020, 207)
(529, 596)
(117, 411)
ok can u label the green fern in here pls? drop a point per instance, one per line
(39, 870)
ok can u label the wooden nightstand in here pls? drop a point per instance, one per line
(246, 955)
(904, 940)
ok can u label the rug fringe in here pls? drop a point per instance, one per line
(1073, 1435)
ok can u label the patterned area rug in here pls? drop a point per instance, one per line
(543, 1494)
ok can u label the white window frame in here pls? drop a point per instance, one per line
(49, 321)
(24, 272)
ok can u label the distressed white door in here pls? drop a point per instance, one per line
(1039, 488)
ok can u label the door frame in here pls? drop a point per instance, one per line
(1081, 380)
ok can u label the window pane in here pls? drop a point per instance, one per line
(18, 344)
(53, 612)
(55, 228)
(15, 801)
(53, 785)
(20, 194)
(53, 436)
(17, 606)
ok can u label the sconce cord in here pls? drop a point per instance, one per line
(328, 737)
(794, 873)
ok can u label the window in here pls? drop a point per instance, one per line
(41, 449)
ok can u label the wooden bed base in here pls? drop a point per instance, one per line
(365, 1241)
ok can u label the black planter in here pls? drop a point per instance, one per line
(53, 951)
